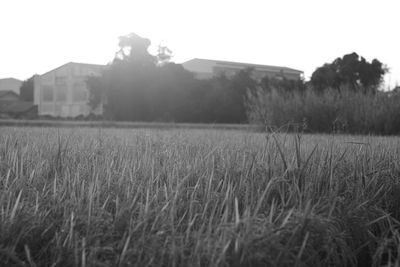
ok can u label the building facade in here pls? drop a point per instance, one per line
(10, 84)
(62, 92)
(206, 69)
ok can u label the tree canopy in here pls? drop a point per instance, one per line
(350, 71)
(139, 86)
(26, 89)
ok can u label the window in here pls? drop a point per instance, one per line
(227, 71)
(78, 79)
(61, 93)
(46, 109)
(47, 93)
(79, 93)
(61, 80)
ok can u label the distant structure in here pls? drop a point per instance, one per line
(207, 68)
(8, 95)
(12, 107)
(10, 84)
(62, 92)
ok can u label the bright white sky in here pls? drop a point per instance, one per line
(37, 36)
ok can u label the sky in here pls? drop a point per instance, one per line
(37, 36)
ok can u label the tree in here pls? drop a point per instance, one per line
(241, 83)
(26, 89)
(134, 49)
(142, 87)
(138, 86)
(164, 55)
(325, 77)
(351, 71)
(126, 83)
(224, 97)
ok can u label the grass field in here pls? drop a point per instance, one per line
(190, 197)
(125, 124)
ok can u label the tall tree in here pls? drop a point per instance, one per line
(351, 71)
(26, 89)
(142, 87)
(134, 49)
(138, 86)
(164, 55)
(127, 83)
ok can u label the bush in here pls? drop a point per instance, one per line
(330, 111)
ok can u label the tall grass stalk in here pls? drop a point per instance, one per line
(326, 112)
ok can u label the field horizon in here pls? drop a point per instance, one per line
(67, 123)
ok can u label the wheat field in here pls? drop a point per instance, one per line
(192, 197)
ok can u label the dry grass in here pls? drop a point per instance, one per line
(90, 197)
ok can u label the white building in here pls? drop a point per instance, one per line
(207, 68)
(10, 84)
(62, 92)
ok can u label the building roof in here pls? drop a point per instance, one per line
(75, 63)
(10, 84)
(6, 92)
(242, 64)
(15, 106)
(10, 79)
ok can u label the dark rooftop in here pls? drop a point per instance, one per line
(6, 92)
(15, 106)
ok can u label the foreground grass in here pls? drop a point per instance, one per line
(87, 197)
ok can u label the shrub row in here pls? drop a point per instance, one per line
(330, 111)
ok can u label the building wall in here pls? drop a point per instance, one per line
(205, 69)
(257, 73)
(63, 92)
(10, 84)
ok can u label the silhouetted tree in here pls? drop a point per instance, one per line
(164, 55)
(127, 83)
(350, 71)
(141, 87)
(26, 90)
(240, 84)
(134, 49)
